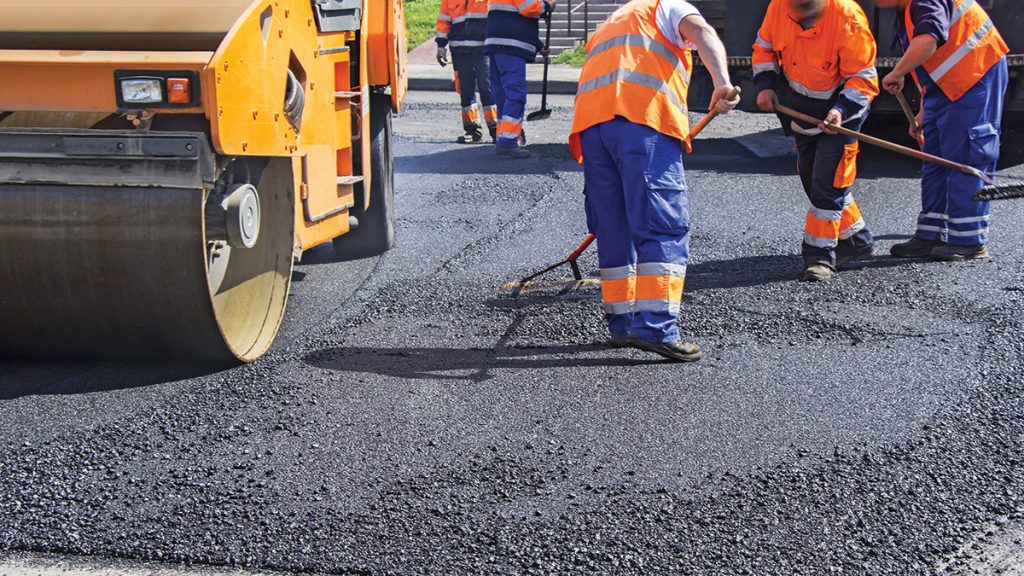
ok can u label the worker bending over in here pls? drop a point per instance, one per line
(629, 130)
(958, 59)
(826, 51)
(461, 25)
(513, 37)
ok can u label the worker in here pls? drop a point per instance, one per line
(513, 37)
(461, 25)
(629, 129)
(958, 60)
(826, 52)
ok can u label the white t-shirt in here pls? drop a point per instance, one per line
(670, 14)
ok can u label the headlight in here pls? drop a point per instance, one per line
(142, 91)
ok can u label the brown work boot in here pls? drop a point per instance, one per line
(847, 254)
(517, 153)
(678, 351)
(951, 253)
(915, 248)
(818, 272)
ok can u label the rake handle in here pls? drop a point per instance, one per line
(885, 144)
(910, 117)
(736, 91)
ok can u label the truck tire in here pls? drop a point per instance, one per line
(375, 234)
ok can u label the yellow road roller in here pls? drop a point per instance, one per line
(164, 163)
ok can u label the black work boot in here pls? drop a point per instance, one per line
(472, 136)
(494, 132)
(678, 351)
(618, 342)
(846, 253)
(818, 272)
(519, 152)
(915, 248)
(951, 253)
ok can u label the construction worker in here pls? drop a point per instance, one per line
(629, 129)
(513, 37)
(461, 25)
(958, 60)
(826, 52)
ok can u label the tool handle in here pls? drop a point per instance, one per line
(890, 146)
(547, 61)
(582, 247)
(736, 91)
(911, 117)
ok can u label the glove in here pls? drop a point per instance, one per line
(442, 56)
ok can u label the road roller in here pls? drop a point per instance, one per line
(164, 163)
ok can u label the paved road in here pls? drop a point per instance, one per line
(414, 420)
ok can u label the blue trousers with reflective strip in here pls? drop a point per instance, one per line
(637, 206)
(966, 131)
(508, 86)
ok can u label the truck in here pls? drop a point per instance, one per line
(163, 165)
(737, 22)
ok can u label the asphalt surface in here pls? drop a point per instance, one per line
(414, 419)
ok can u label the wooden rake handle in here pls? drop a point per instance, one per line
(885, 144)
(911, 117)
(711, 115)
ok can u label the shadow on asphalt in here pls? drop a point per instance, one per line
(469, 364)
(37, 378)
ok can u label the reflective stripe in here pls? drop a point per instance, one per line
(805, 131)
(657, 306)
(867, 73)
(959, 12)
(458, 43)
(618, 273)
(820, 242)
(852, 229)
(661, 269)
(962, 51)
(763, 43)
(527, 4)
(442, 35)
(618, 307)
(444, 17)
(508, 135)
(970, 220)
(830, 215)
(927, 228)
(459, 20)
(967, 233)
(934, 215)
(630, 77)
(857, 96)
(767, 67)
(641, 41)
(469, 108)
(482, 15)
(502, 8)
(816, 94)
(509, 42)
(511, 120)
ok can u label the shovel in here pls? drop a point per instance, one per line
(544, 113)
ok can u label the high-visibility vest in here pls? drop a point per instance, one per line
(837, 51)
(461, 24)
(633, 71)
(973, 48)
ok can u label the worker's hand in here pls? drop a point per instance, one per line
(767, 100)
(834, 118)
(915, 133)
(722, 100)
(893, 82)
(442, 56)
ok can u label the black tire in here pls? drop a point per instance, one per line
(376, 232)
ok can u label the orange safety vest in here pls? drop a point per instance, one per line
(633, 71)
(973, 48)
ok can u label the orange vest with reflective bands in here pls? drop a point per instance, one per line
(632, 70)
(973, 48)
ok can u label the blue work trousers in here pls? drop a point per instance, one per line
(965, 131)
(508, 85)
(637, 206)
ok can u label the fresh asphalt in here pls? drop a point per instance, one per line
(414, 419)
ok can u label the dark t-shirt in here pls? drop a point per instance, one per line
(932, 17)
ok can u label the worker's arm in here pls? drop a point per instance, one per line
(922, 47)
(857, 65)
(695, 30)
(444, 26)
(766, 64)
(536, 8)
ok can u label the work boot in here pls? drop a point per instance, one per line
(915, 248)
(494, 133)
(472, 136)
(678, 351)
(618, 342)
(951, 253)
(517, 153)
(818, 272)
(846, 253)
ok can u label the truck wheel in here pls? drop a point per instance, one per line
(376, 232)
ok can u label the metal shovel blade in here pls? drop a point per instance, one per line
(542, 114)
